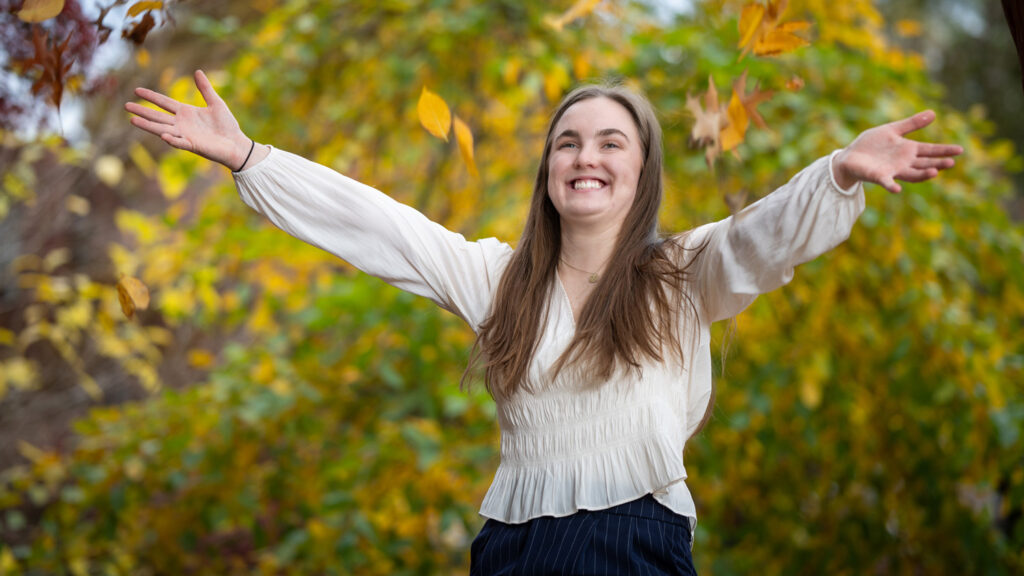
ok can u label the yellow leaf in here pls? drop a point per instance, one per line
(20, 373)
(140, 7)
(56, 258)
(142, 158)
(132, 294)
(77, 205)
(779, 41)
(761, 31)
(30, 452)
(142, 57)
(750, 22)
(465, 139)
(434, 114)
(198, 358)
(7, 561)
(733, 134)
(39, 10)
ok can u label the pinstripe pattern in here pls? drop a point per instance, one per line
(642, 538)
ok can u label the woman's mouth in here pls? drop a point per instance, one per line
(586, 184)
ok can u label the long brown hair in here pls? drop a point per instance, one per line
(633, 313)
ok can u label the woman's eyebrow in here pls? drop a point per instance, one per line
(612, 132)
(603, 132)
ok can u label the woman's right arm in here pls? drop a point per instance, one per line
(318, 205)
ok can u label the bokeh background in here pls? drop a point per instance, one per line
(274, 411)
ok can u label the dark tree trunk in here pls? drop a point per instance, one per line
(1014, 10)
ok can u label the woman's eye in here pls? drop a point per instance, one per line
(611, 145)
(567, 145)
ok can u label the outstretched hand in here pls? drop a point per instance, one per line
(211, 132)
(883, 155)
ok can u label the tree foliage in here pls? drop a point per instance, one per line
(869, 414)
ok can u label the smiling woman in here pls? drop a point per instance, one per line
(595, 331)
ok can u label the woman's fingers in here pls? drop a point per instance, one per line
(938, 150)
(210, 95)
(153, 127)
(149, 114)
(923, 163)
(912, 123)
(177, 142)
(165, 102)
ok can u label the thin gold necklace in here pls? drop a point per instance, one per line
(593, 276)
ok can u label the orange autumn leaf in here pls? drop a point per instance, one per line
(464, 137)
(133, 295)
(795, 84)
(708, 123)
(781, 40)
(434, 114)
(579, 9)
(762, 33)
(40, 10)
(742, 110)
(751, 100)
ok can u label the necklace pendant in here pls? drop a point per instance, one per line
(593, 278)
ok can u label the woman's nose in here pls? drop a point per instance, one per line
(585, 157)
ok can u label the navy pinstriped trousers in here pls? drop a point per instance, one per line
(640, 537)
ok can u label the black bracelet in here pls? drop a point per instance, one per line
(247, 156)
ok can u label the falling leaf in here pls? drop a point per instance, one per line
(132, 294)
(761, 32)
(579, 9)
(39, 10)
(138, 32)
(742, 109)
(434, 114)
(465, 139)
(732, 135)
(736, 201)
(140, 7)
(795, 83)
(781, 40)
(708, 123)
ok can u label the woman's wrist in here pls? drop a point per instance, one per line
(241, 153)
(841, 172)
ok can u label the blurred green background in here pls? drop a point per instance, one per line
(273, 411)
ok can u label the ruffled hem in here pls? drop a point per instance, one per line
(593, 481)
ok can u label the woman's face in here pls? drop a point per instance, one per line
(595, 163)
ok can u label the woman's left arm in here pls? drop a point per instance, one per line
(756, 250)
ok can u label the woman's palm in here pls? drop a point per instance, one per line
(211, 131)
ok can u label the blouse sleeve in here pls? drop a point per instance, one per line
(374, 233)
(755, 251)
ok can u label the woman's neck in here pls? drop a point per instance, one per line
(587, 248)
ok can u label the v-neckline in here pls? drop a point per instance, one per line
(566, 299)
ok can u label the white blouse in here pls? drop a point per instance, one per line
(566, 446)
